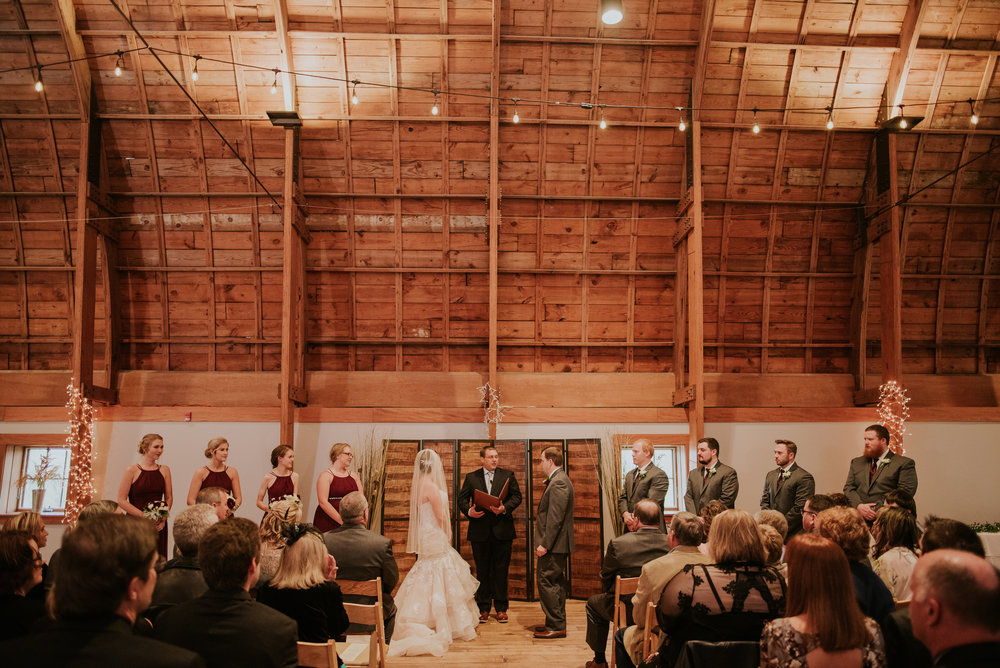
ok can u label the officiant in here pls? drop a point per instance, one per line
(491, 529)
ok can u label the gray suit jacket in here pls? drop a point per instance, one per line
(724, 486)
(791, 497)
(898, 472)
(654, 485)
(554, 519)
(364, 555)
(627, 553)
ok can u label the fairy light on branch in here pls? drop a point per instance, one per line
(893, 412)
(80, 441)
(490, 398)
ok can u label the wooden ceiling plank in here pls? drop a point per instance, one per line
(22, 276)
(804, 21)
(493, 197)
(66, 13)
(956, 21)
(348, 201)
(935, 91)
(899, 69)
(397, 186)
(852, 31)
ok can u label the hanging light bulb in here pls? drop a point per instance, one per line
(434, 109)
(756, 125)
(829, 118)
(604, 123)
(119, 64)
(38, 80)
(274, 84)
(515, 118)
(974, 119)
(611, 11)
(682, 126)
(194, 72)
(354, 92)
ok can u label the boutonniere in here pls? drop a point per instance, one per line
(712, 471)
(785, 475)
(642, 474)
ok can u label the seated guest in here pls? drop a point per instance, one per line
(32, 524)
(824, 625)
(895, 532)
(303, 587)
(774, 546)
(625, 556)
(92, 509)
(956, 596)
(711, 510)
(815, 504)
(105, 579)
(281, 514)
(20, 570)
(840, 499)
(216, 497)
(364, 555)
(774, 519)
(224, 625)
(730, 599)
(902, 649)
(900, 498)
(181, 579)
(683, 537)
(845, 527)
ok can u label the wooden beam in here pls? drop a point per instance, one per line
(889, 280)
(66, 13)
(281, 27)
(292, 296)
(494, 199)
(899, 68)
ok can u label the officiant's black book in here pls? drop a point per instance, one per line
(484, 501)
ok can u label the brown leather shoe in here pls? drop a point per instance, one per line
(484, 616)
(502, 617)
(594, 664)
(541, 628)
(548, 633)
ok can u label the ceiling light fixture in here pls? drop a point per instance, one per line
(611, 11)
(119, 64)
(354, 92)
(974, 119)
(515, 118)
(194, 72)
(756, 125)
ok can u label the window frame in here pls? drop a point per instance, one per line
(12, 447)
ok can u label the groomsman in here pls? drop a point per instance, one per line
(645, 481)
(491, 531)
(787, 488)
(877, 472)
(553, 544)
(711, 480)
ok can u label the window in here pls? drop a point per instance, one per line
(668, 456)
(28, 455)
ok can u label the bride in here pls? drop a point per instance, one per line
(436, 602)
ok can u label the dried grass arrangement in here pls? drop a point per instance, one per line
(611, 476)
(369, 460)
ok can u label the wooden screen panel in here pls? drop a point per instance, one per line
(399, 458)
(585, 563)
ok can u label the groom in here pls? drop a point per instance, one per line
(554, 542)
(491, 531)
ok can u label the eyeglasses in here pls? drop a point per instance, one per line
(808, 512)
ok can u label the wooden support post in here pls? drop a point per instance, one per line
(890, 283)
(294, 236)
(494, 201)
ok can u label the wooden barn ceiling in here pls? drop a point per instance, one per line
(398, 201)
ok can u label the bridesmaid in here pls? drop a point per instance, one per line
(146, 482)
(216, 473)
(334, 484)
(280, 482)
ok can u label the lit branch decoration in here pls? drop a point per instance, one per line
(893, 412)
(80, 486)
(491, 404)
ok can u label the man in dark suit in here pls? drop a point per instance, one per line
(553, 544)
(224, 625)
(711, 480)
(787, 488)
(491, 531)
(877, 472)
(181, 579)
(645, 481)
(105, 579)
(624, 556)
(364, 555)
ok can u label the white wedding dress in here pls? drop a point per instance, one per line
(436, 602)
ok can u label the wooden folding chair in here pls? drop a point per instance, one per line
(368, 614)
(619, 619)
(318, 654)
(650, 631)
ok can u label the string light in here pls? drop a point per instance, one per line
(902, 120)
(756, 126)
(119, 64)
(80, 441)
(434, 109)
(682, 126)
(38, 80)
(515, 118)
(829, 118)
(194, 72)
(274, 84)
(974, 119)
(604, 123)
(893, 412)
(354, 92)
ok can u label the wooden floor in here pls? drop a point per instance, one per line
(512, 644)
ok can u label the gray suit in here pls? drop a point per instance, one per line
(722, 485)
(365, 555)
(897, 472)
(790, 497)
(554, 532)
(625, 556)
(653, 485)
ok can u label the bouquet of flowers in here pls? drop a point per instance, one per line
(156, 511)
(231, 502)
(287, 497)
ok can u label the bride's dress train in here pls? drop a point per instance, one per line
(436, 602)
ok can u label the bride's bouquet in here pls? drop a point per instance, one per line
(156, 511)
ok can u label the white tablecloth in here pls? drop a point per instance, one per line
(991, 541)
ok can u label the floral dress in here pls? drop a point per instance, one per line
(895, 567)
(781, 646)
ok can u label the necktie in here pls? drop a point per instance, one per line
(704, 479)
(781, 478)
(872, 470)
(489, 482)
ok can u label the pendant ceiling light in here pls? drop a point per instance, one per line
(611, 11)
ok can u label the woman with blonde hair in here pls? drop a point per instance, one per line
(282, 514)
(333, 485)
(824, 625)
(146, 490)
(282, 481)
(216, 474)
(895, 551)
(32, 524)
(303, 588)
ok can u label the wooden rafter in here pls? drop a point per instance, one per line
(899, 69)
(493, 199)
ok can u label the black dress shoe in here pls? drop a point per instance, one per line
(549, 633)
(541, 628)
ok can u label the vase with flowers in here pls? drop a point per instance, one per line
(41, 474)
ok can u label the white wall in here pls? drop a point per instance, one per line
(947, 454)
